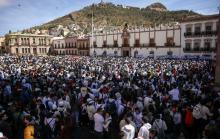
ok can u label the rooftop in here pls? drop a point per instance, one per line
(200, 18)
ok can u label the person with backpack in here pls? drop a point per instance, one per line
(160, 126)
(50, 124)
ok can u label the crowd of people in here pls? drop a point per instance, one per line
(114, 98)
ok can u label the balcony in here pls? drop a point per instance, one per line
(188, 34)
(137, 45)
(199, 50)
(200, 34)
(169, 44)
(115, 45)
(152, 45)
(210, 33)
(125, 45)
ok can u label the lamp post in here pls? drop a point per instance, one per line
(217, 71)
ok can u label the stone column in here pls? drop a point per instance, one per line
(217, 71)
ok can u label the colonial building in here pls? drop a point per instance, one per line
(199, 35)
(58, 46)
(138, 42)
(71, 45)
(2, 45)
(83, 46)
(22, 43)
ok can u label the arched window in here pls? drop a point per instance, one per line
(170, 53)
(116, 53)
(104, 53)
(136, 53)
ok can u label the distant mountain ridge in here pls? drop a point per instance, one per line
(109, 14)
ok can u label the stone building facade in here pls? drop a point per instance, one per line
(19, 43)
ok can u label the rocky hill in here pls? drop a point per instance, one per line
(109, 14)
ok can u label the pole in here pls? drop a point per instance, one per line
(217, 71)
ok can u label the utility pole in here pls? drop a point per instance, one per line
(217, 71)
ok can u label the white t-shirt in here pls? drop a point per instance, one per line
(129, 131)
(99, 122)
(144, 131)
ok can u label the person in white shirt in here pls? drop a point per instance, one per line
(99, 123)
(160, 126)
(144, 130)
(128, 129)
(175, 93)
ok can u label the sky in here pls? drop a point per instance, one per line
(17, 15)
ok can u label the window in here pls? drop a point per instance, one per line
(104, 43)
(207, 46)
(58, 46)
(33, 40)
(72, 45)
(151, 40)
(115, 43)
(29, 50)
(22, 50)
(196, 46)
(137, 42)
(197, 30)
(208, 28)
(62, 45)
(22, 41)
(94, 44)
(25, 50)
(169, 41)
(16, 50)
(188, 29)
(28, 41)
(55, 46)
(188, 45)
(40, 50)
(69, 45)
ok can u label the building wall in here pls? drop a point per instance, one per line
(159, 34)
(2, 44)
(71, 46)
(59, 45)
(27, 44)
(200, 38)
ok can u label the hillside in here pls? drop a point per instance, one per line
(108, 14)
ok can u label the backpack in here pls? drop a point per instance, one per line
(197, 112)
(189, 118)
(160, 131)
(49, 130)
